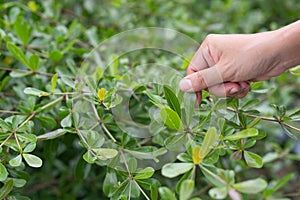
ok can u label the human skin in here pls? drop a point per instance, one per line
(225, 64)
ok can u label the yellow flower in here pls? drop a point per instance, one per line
(32, 5)
(197, 155)
(101, 94)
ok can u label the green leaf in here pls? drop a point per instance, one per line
(15, 74)
(175, 142)
(55, 56)
(5, 190)
(218, 192)
(166, 194)
(254, 122)
(189, 107)
(93, 139)
(295, 70)
(210, 139)
(109, 182)
(34, 61)
(144, 173)
(253, 160)
(36, 92)
(32, 160)
(250, 132)
(22, 30)
(105, 153)
(16, 161)
(52, 134)
(53, 82)
(3, 172)
(186, 189)
(67, 121)
(27, 137)
(172, 100)
(170, 118)
(251, 186)
(172, 170)
(18, 54)
(113, 67)
(4, 125)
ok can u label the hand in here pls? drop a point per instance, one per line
(224, 64)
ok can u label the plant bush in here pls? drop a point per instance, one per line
(89, 115)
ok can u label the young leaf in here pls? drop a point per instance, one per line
(170, 118)
(18, 54)
(16, 161)
(32, 160)
(34, 61)
(3, 172)
(53, 82)
(277, 185)
(210, 139)
(251, 186)
(172, 100)
(253, 160)
(250, 132)
(22, 30)
(186, 189)
(5, 190)
(172, 170)
(166, 194)
(197, 155)
(36, 92)
(144, 173)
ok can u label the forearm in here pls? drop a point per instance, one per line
(289, 45)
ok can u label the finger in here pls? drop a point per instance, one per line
(201, 80)
(245, 88)
(198, 98)
(198, 62)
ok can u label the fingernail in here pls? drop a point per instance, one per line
(186, 85)
(233, 91)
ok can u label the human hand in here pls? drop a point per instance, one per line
(224, 64)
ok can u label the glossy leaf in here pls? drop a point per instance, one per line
(36, 92)
(3, 172)
(186, 189)
(250, 132)
(105, 153)
(218, 192)
(166, 194)
(170, 118)
(52, 134)
(253, 160)
(172, 100)
(16, 161)
(144, 173)
(251, 186)
(32, 160)
(210, 139)
(172, 170)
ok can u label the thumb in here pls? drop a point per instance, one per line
(201, 80)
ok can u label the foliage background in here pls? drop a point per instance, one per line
(62, 32)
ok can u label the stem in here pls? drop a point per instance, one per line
(267, 119)
(125, 162)
(145, 195)
(52, 103)
(213, 175)
(10, 112)
(15, 131)
(102, 124)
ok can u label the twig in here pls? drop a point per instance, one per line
(267, 119)
(102, 124)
